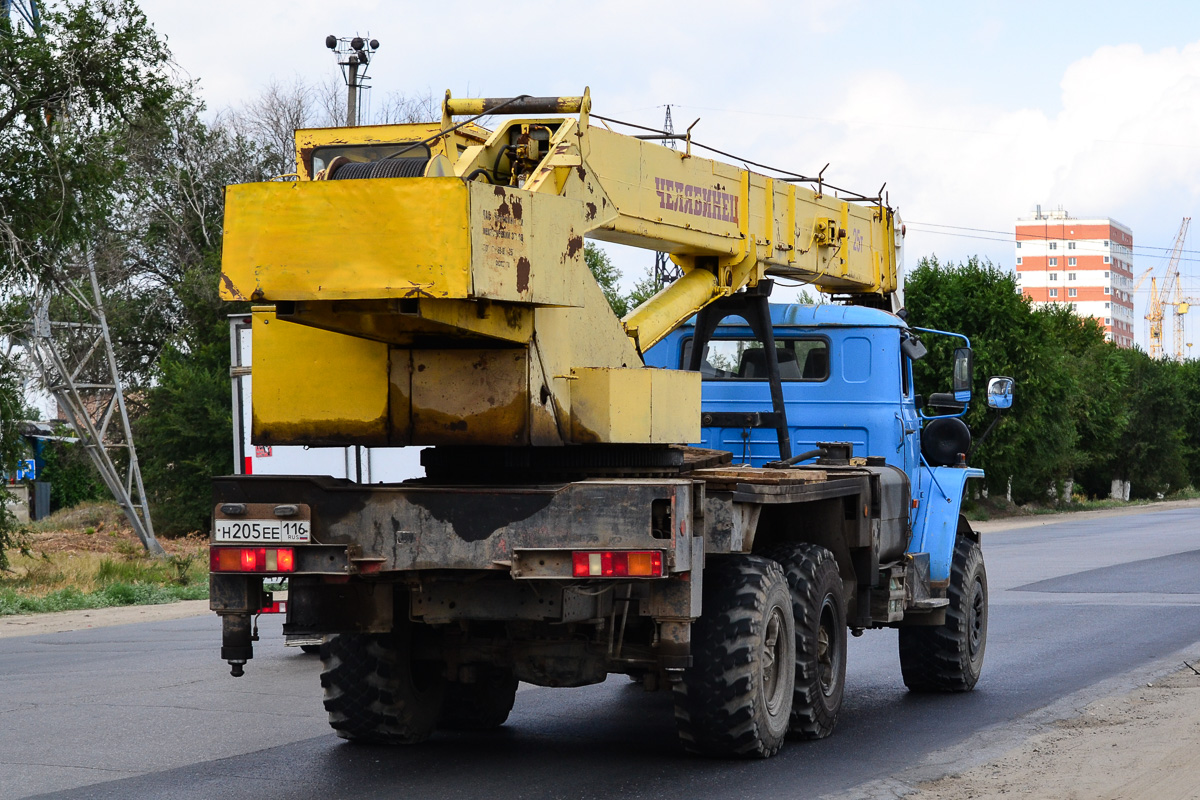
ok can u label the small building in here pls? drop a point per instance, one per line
(1085, 262)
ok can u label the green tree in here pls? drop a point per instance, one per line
(607, 275)
(1152, 451)
(69, 97)
(69, 471)
(1190, 377)
(1060, 421)
(186, 435)
(12, 410)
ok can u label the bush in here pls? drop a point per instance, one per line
(72, 477)
(184, 436)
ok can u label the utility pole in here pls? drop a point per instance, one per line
(353, 57)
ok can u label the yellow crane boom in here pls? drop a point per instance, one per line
(445, 299)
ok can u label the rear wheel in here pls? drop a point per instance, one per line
(736, 698)
(949, 657)
(816, 586)
(376, 692)
(481, 705)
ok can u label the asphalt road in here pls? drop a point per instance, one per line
(149, 711)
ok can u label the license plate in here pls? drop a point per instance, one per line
(282, 531)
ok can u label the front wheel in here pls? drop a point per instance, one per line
(736, 698)
(949, 657)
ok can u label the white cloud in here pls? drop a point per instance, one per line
(787, 84)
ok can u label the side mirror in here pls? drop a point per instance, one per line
(1000, 392)
(911, 346)
(964, 368)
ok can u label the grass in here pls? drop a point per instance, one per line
(980, 510)
(84, 558)
(115, 594)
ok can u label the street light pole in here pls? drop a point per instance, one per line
(352, 92)
(353, 55)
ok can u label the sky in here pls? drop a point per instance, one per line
(973, 114)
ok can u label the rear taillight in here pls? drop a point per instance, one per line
(251, 559)
(617, 564)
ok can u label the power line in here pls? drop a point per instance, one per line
(1006, 233)
(1011, 239)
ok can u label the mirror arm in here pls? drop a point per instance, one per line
(986, 432)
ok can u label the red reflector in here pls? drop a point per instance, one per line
(579, 564)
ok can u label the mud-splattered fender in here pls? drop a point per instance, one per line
(939, 492)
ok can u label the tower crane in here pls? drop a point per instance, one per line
(1160, 299)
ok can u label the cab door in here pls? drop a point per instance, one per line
(908, 439)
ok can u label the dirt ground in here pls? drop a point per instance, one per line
(1137, 746)
(101, 528)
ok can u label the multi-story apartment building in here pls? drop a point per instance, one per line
(1085, 262)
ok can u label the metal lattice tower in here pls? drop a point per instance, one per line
(79, 368)
(27, 10)
(665, 270)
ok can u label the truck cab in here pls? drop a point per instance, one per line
(846, 376)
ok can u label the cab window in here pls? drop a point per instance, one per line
(726, 359)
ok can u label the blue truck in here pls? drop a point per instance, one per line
(843, 394)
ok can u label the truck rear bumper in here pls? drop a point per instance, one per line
(527, 531)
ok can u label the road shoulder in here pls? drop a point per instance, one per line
(63, 621)
(1041, 520)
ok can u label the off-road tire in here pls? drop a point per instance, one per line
(736, 698)
(949, 657)
(819, 608)
(374, 692)
(479, 706)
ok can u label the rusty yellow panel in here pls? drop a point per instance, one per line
(314, 387)
(674, 406)
(666, 202)
(403, 322)
(477, 397)
(611, 405)
(339, 240)
(400, 397)
(509, 262)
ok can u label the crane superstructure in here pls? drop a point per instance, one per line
(457, 301)
(426, 284)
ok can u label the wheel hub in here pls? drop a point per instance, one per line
(773, 655)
